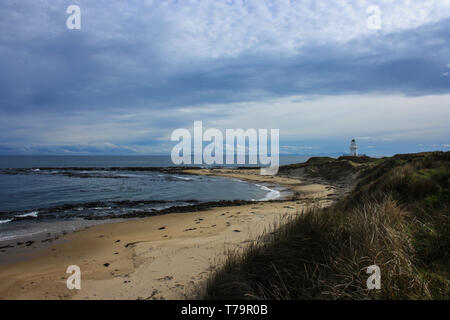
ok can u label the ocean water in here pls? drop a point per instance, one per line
(41, 189)
(105, 161)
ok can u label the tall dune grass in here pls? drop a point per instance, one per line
(396, 218)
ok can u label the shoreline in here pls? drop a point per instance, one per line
(155, 206)
(157, 257)
(75, 223)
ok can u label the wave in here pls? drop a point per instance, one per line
(272, 194)
(22, 235)
(7, 238)
(33, 214)
(129, 175)
(86, 209)
(5, 221)
(183, 178)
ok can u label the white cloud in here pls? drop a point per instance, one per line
(226, 28)
(212, 29)
(366, 117)
(374, 117)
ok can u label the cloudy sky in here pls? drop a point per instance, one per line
(136, 70)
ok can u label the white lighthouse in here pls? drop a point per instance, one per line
(353, 148)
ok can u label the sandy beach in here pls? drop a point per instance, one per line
(159, 257)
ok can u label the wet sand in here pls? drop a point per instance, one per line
(160, 257)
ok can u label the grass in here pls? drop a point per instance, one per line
(397, 218)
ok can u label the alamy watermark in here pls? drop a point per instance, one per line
(374, 281)
(73, 281)
(74, 20)
(191, 150)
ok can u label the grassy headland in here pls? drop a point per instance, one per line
(396, 217)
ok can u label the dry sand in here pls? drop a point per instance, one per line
(160, 257)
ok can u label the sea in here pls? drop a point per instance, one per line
(51, 194)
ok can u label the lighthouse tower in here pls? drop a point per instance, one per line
(353, 148)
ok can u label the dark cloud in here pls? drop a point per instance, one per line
(74, 71)
(123, 63)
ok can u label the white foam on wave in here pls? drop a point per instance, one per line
(272, 194)
(183, 178)
(33, 214)
(21, 235)
(5, 221)
(8, 238)
(128, 175)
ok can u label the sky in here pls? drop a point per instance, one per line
(319, 71)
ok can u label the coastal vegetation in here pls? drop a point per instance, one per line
(396, 216)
